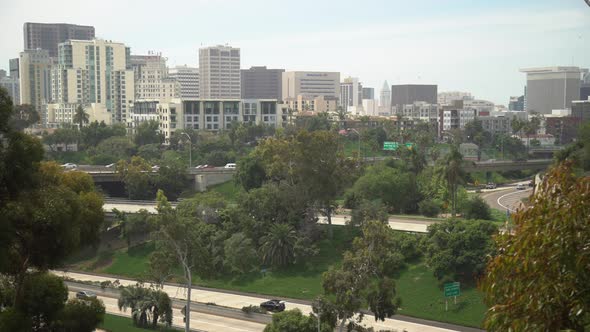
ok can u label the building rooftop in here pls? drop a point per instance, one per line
(554, 69)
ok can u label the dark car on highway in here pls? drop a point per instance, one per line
(84, 295)
(273, 305)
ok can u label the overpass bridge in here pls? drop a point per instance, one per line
(201, 178)
(495, 166)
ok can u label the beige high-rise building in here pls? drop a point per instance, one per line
(319, 104)
(310, 84)
(187, 80)
(35, 79)
(95, 74)
(219, 72)
(151, 78)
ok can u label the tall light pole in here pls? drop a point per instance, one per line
(359, 141)
(190, 150)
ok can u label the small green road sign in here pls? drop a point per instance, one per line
(452, 289)
(409, 145)
(392, 146)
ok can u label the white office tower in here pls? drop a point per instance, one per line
(95, 74)
(35, 79)
(385, 96)
(151, 78)
(351, 95)
(219, 69)
(187, 81)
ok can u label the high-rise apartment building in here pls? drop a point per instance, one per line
(516, 103)
(13, 68)
(47, 36)
(351, 94)
(261, 83)
(11, 84)
(551, 88)
(187, 81)
(385, 96)
(35, 79)
(410, 93)
(95, 73)
(151, 78)
(219, 72)
(310, 84)
(368, 93)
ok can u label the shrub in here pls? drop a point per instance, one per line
(429, 208)
(253, 309)
(477, 208)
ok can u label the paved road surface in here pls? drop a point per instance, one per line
(506, 198)
(398, 224)
(238, 301)
(199, 320)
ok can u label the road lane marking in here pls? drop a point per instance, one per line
(509, 194)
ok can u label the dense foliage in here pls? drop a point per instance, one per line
(538, 281)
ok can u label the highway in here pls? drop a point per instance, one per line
(199, 321)
(508, 198)
(398, 224)
(239, 300)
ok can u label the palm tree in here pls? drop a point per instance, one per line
(147, 305)
(453, 174)
(81, 117)
(278, 245)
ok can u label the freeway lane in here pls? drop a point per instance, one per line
(199, 321)
(506, 199)
(235, 300)
(398, 224)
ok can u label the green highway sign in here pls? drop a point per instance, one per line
(409, 145)
(392, 146)
(452, 289)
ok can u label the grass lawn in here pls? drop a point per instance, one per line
(229, 190)
(421, 297)
(114, 323)
(416, 285)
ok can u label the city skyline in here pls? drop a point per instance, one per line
(457, 45)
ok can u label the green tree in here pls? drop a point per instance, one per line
(367, 211)
(278, 245)
(25, 115)
(295, 321)
(250, 172)
(477, 208)
(453, 174)
(148, 132)
(133, 225)
(62, 136)
(240, 254)
(395, 188)
(459, 249)
(362, 278)
(112, 149)
(95, 132)
(148, 306)
(43, 299)
(538, 280)
(150, 152)
(171, 178)
(81, 315)
(135, 174)
(80, 117)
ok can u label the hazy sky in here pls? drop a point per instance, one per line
(467, 45)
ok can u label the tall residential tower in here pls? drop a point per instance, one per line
(219, 71)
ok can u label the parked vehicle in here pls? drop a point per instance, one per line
(230, 165)
(85, 295)
(69, 166)
(491, 185)
(273, 305)
(520, 186)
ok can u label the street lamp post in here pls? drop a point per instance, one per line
(190, 150)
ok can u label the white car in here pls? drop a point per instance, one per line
(520, 186)
(230, 165)
(155, 168)
(110, 165)
(69, 166)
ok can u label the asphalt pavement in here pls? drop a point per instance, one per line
(508, 198)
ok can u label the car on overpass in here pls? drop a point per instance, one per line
(520, 186)
(491, 185)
